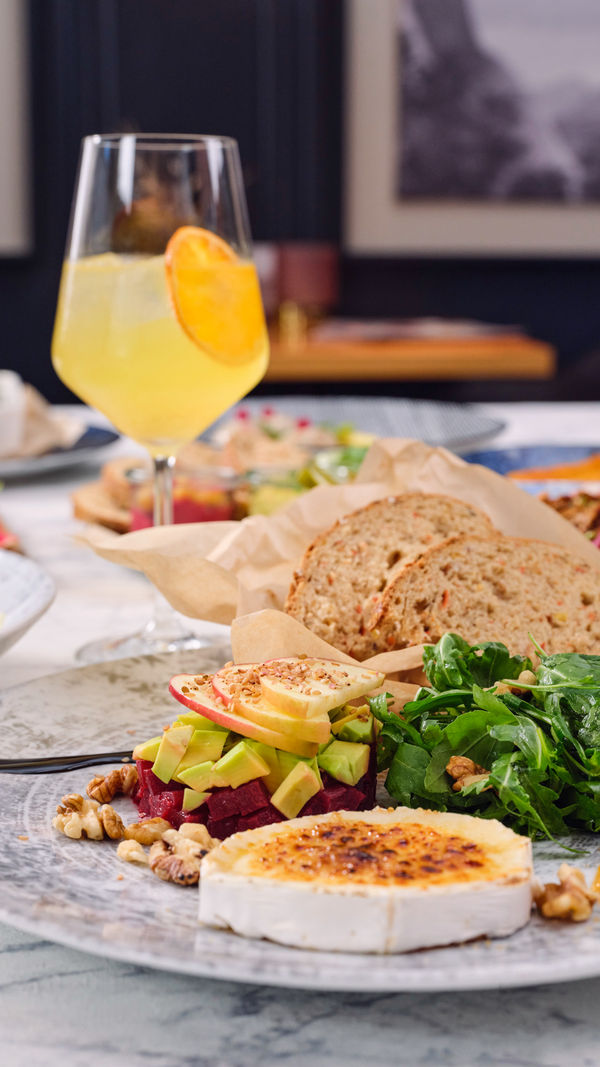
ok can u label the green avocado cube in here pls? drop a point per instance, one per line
(200, 777)
(148, 749)
(199, 722)
(204, 745)
(287, 762)
(241, 764)
(171, 751)
(361, 730)
(296, 790)
(276, 775)
(345, 761)
(348, 711)
(192, 799)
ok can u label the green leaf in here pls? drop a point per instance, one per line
(469, 735)
(444, 664)
(529, 739)
(407, 773)
(452, 663)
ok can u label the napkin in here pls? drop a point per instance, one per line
(42, 428)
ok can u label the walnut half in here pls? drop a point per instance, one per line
(465, 772)
(176, 858)
(570, 899)
(104, 787)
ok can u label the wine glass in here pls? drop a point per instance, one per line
(159, 324)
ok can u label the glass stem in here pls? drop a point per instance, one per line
(163, 490)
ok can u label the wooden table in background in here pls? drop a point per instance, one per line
(501, 357)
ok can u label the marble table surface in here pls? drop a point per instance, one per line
(62, 1007)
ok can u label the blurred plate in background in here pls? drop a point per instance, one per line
(454, 426)
(504, 460)
(93, 439)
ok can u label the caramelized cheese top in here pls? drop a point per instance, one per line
(360, 853)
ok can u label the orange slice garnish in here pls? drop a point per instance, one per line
(215, 296)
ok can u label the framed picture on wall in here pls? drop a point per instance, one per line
(473, 127)
(15, 131)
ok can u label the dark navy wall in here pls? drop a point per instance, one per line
(269, 72)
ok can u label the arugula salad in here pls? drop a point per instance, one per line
(491, 736)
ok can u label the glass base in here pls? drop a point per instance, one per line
(139, 644)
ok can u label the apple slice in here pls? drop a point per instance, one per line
(311, 688)
(266, 714)
(306, 688)
(200, 696)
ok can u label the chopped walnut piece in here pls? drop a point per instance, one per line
(146, 832)
(104, 787)
(570, 899)
(195, 831)
(177, 858)
(78, 817)
(112, 822)
(132, 852)
(465, 772)
(521, 684)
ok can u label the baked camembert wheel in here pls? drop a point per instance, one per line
(372, 881)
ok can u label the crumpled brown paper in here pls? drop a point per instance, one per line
(220, 571)
(44, 428)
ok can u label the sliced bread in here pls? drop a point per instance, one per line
(345, 570)
(494, 589)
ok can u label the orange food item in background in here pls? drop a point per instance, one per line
(587, 470)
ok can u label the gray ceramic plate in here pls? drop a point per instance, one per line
(456, 426)
(79, 894)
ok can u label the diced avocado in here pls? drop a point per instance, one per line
(200, 777)
(148, 749)
(346, 761)
(204, 745)
(287, 762)
(361, 730)
(276, 774)
(241, 764)
(171, 750)
(339, 713)
(296, 790)
(192, 799)
(199, 722)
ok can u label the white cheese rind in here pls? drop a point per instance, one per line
(366, 918)
(376, 920)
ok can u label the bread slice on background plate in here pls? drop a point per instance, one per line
(346, 569)
(494, 589)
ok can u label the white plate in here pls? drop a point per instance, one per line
(26, 591)
(79, 894)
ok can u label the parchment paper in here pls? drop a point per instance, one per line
(224, 571)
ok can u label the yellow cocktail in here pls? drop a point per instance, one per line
(159, 322)
(119, 345)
